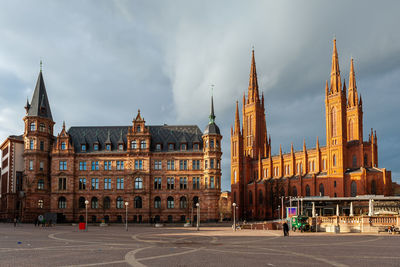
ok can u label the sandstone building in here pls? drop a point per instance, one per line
(346, 166)
(160, 171)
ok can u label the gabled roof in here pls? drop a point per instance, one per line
(39, 105)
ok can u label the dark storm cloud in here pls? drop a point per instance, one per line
(103, 60)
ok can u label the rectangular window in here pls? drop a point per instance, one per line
(157, 183)
(120, 183)
(41, 165)
(62, 183)
(41, 145)
(120, 165)
(31, 144)
(183, 183)
(205, 183)
(107, 165)
(196, 182)
(206, 164)
(212, 143)
(82, 183)
(170, 146)
(107, 183)
(63, 146)
(133, 145)
(196, 164)
(31, 165)
(95, 183)
(183, 147)
(211, 163)
(158, 147)
(170, 183)
(183, 164)
(96, 147)
(138, 164)
(157, 165)
(171, 165)
(82, 165)
(212, 182)
(143, 144)
(63, 165)
(83, 147)
(95, 165)
(196, 146)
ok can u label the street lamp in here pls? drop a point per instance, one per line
(234, 216)
(126, 215)
(198, 216)
(86, 204)
(279, 211)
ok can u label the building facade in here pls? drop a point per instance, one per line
(158, 173)
(346, 166)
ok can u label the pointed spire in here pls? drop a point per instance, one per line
(63, 126)
(108, 140)
(317, 145)
(253, 83)
(212, 116)
(40, 104)
(41, 65)
(120, 140)
(326, 88)
(335, 72)
(353, 96)
(27, 106)
(280, 149)
(237, 120)
(304, 145)
(291, 148)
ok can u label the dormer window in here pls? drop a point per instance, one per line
(63, 145)
(158, 147)
(83, 147)
(138, 128)
(171, 147)
(120, 147)
(96, 147)
(42, 127)
(183, 146)
(33, 126)
(196, 146)
(133, 145)
(108, 147)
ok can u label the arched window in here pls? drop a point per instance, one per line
(308, 191)
(321, 190)
(138, 202)
(373, 187)
(294, 191)
(170, 203)
(260, 198)
(138, 183)
(334, 160)
(333, 122)
(353, 188)
(183, 203)
(157, 203)
(250, 198)
(82, 204)
(106, 203)
(195, 201)
(62, 203)
(354, 161)
(234, 177)
(351, 130)
(94, 203)
(120, 203)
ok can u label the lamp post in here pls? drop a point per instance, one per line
(86, 204)
(198, 216)
(126, 215)
(279, 211)
(234, 216)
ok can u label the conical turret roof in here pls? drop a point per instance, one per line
(39, 105)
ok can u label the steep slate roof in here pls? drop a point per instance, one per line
(39, 105)
(163, 134)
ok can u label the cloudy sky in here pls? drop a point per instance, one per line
(103, 60)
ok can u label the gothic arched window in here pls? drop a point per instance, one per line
(351, 130)
(353, 188)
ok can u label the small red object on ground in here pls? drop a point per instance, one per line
(82, 226)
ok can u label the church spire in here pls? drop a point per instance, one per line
(335, 72)
(253, 83)
(237, 120)
(40, 104)
(353, 96)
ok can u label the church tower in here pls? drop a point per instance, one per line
(354, 110)
(254, 125)
(336, 107)
(38, 142)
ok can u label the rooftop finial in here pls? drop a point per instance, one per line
(212, 116)
(41, 65)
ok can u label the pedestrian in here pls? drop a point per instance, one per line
(15, 222)
(36, 221)
(285, 229)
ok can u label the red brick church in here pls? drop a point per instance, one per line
(346, 166)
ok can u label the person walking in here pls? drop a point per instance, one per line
(15, 222)
(285, 229)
